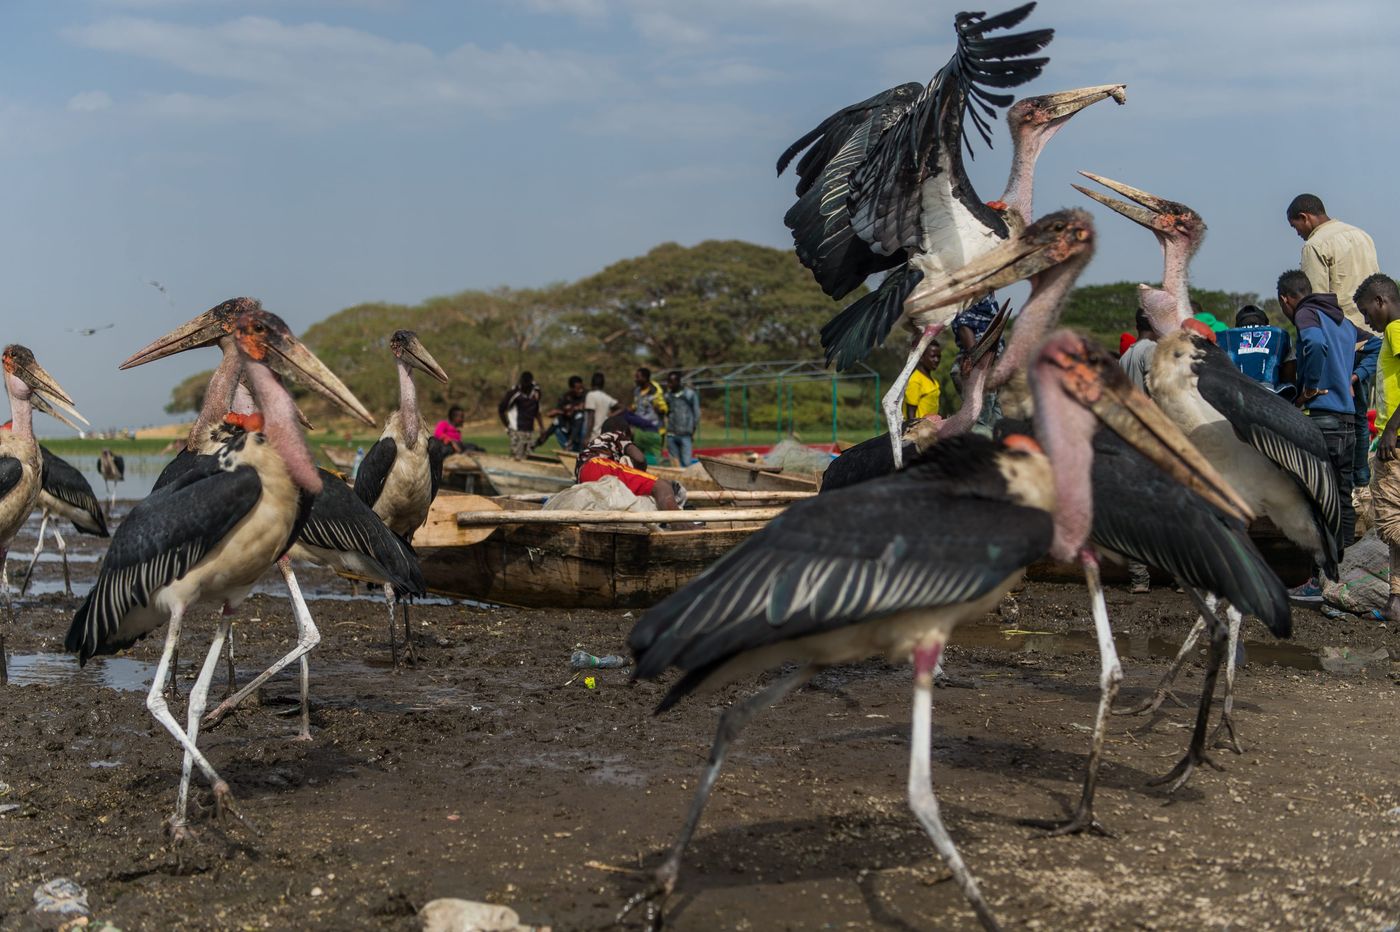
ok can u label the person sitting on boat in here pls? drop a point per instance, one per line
(449, 430)
(612, 453)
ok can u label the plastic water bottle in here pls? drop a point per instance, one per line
(582, 660)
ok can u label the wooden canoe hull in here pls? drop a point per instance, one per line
(744, 477)
(489, 474)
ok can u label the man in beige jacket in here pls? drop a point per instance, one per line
(1337, 257)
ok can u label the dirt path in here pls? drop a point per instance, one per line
(490, 772)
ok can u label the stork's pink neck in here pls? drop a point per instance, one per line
(1020, 184)
(408, 405)
(21, 413)
(281, 427)
(218, 396)
(973, 388)
(1038, 317)
(1066, 430)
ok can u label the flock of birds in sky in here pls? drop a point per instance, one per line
(912, 533)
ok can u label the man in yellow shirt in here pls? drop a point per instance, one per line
(1379, 299)
(922, 392)
(1337, 256)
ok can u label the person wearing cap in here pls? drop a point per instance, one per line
(1257, 348)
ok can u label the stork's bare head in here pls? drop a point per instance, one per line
(1049, 112)
(26, 379)
(265, 338)
(1167, 219)
(410, 350)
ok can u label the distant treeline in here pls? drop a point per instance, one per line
(716, 302)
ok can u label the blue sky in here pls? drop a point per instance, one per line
(319, 153)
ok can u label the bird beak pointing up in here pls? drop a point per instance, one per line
(1049, 241)
(1093, 378)
(47, 394)
(1153, 213)
(1067, 103)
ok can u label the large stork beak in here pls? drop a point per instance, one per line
(47, 394)
(289, 358)
(205, 330)
(1149, 210)
(1049, 241)
(1066, 104)
(1093, 377)
(417, 356)
(41, 404)
(992, 336)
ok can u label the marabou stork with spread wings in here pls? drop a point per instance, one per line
(21, 463)
(400, 475)
(1268, 449)
(883, 186)
(210, 535)
(893, 564)
(64, 493)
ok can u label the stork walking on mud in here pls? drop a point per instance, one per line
(112, 468)
(400, 474)
(64, 493)
(211, 534)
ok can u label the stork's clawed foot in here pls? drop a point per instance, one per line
(179, 831)
(1176, 778)
(1224, 735)
(1152, 703)
(1081, 822)
(652, 899)
(215, 717)
(224, 807)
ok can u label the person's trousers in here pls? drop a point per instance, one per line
(520, 443)
(1385, 505)
(681, 447)
(1337, 431)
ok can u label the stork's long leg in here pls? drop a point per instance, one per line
(408, 637)
(307, 638)
(9, 619)
(393, 635)
(63, 552)
(155, 701)
(231, 683)
(1110, 676)
(199, 697)
(38, 549)
(730, 724)
(1224, 735)
(1164, 686)
(921, 796)
(893, 402)
(1196, 754)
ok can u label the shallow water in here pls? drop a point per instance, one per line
(47, 669)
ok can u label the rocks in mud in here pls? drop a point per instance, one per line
(453, 915)
(1349, 662)
(59, 902)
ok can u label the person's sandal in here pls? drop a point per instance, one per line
(1140, 589)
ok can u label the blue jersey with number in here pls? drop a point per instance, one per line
(1257, 351)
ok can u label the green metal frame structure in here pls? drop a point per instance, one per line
(783, 374)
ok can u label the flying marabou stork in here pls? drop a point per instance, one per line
(64, 493)
(210, 535)
(893, 564)
(883, 186)
(400, 474)
(112, 468)
(1263, 445)
(21, 464)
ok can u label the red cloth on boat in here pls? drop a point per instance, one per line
(638, 482)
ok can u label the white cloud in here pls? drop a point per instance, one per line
(89, 101)
(323, 73)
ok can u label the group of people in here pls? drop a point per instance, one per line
(655, 416)
(1347, 317)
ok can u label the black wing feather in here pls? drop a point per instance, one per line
(863, 325)
(869, 459)
(939, 533)
(159, 541)
(1280, 432)
(184, 461)
(339, 521)
(11, 471)
(65, 482)
(374, 470)
(1141, 513)
(437, 455)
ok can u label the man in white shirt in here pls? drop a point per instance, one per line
(598, 403)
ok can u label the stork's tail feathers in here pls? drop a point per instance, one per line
(863, 325)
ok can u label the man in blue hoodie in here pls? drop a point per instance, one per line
(1326, 357)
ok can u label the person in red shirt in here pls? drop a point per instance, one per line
(612, 453)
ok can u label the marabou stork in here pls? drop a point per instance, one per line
(64, 493)
(21, 464)
(112, 468)
(1265, 447)
(211, 534)
(400, 475)
(1202, 545)
(883, 186)
(891, 565)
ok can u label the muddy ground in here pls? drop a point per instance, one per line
(492, 772)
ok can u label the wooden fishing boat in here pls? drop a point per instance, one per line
(565, 565)
(686, 477)
(738, 476)
(489, 474)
